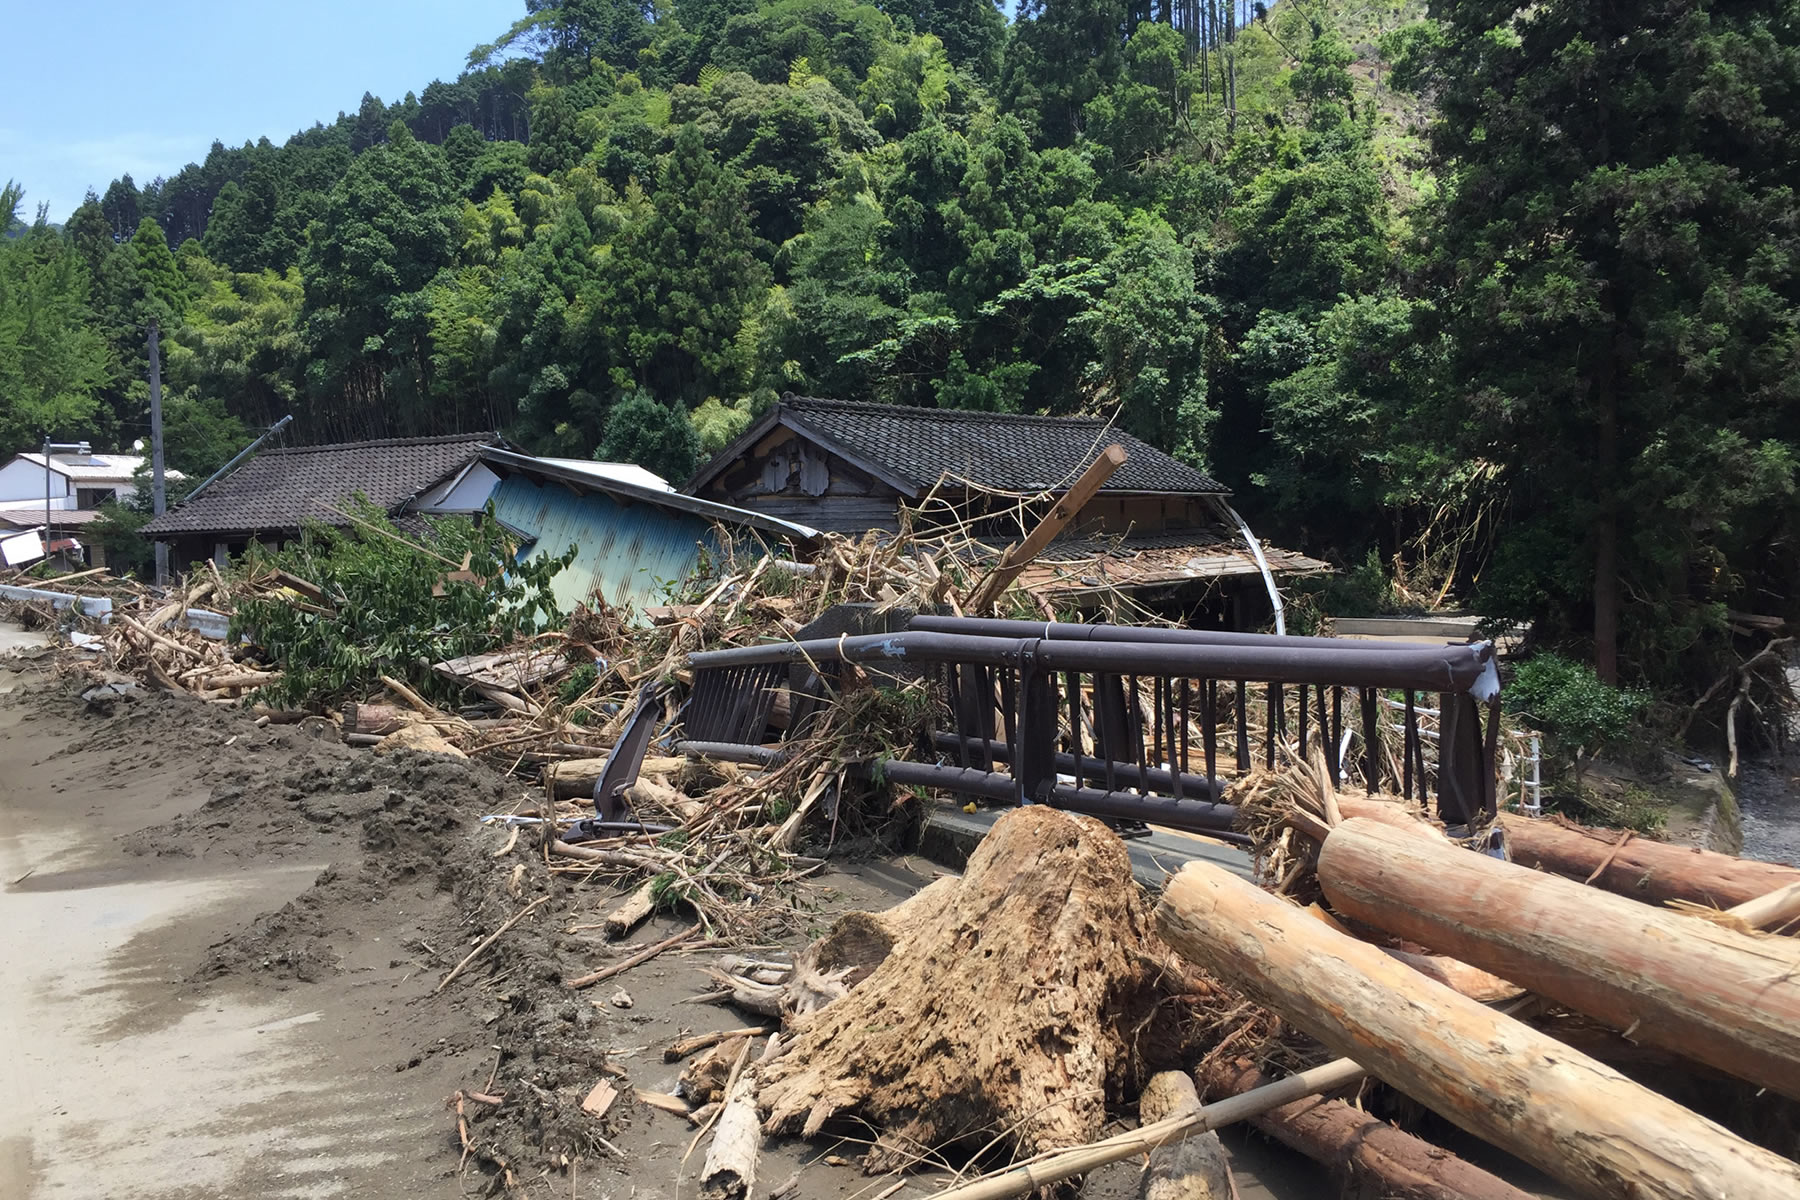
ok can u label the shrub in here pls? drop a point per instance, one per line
(1568, 701)
(392, 609)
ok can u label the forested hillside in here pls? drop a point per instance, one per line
(1524, 330)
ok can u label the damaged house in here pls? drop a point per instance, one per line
(273, 496)
(1158, 531)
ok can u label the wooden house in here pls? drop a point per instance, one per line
(1159, 530)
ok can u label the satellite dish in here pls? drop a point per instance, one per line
(138, 445)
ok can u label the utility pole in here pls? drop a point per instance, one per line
(159, 500)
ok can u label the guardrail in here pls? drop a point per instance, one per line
(1122, 722)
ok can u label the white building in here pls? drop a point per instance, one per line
(76, 481)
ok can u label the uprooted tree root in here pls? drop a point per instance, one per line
(1015, 1005)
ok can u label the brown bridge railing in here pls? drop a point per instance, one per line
(1124, 722)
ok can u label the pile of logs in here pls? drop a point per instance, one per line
(1701, 985)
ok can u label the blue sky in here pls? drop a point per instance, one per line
(94, 90)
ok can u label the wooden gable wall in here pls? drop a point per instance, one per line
(794, 478)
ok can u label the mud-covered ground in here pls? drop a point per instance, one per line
(221, 947)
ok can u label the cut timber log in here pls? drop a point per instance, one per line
(574, 778)
(375, 718)
(1577, 1119)
(1192, 1169)
(1654, 872)
(971, 1025)
(1718, 996)
(1366, 1156)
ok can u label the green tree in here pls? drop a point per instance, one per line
(1618, 242)
(388, 228)
(640, 429)
(52, 361)
(683, 280)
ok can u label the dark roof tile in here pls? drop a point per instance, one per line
(283, 489)
(999, 450)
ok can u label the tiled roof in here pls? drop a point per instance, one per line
(283, 489)
(999, 450)
(24, 516)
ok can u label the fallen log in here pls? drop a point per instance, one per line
(1192, 1169)
(1654, 872)
(574, 778)
(946, 1040)
(634, 908)
(1055, 1166)
(1571, 1116)
(1721, 997)
(1365, 1155)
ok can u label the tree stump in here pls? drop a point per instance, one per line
(1014, 1006)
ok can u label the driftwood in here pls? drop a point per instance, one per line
(680, 1048)
(730, 1169)
(375, 718)
(1472, 982)
(1366, 1156)
(634, 908)
(1192, 1169)
(642, 956)
(1575, 1118)
(1041, 943)
(1654, 872)
(1720, 997)
(1055, 1166)
(574, 778)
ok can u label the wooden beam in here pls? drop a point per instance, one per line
(1067, 507)
(1496, 1077)
(1724, 998)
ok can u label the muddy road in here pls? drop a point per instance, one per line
(220, 944)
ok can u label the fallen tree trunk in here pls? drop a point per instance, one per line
(1366, 1156)
(1192, 1169)
(574, 778)
(1654, 872)
(1721, 997)
(1022, 998)
(1575, 1118)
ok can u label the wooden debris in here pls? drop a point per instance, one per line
(1591, 1127)
(420, 738)
(1718, 996)
(730, 1168)
(1365, 1155)
(638, 905)
(663, 1101)
(1194, 1168)
(1057, 1165)
(488, 941)
(1654, 872)
(945, 1038)
(682, 1047)
(600, 1098)
(641, 956)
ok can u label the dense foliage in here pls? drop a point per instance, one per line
(390, 609)
(1525, 332)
